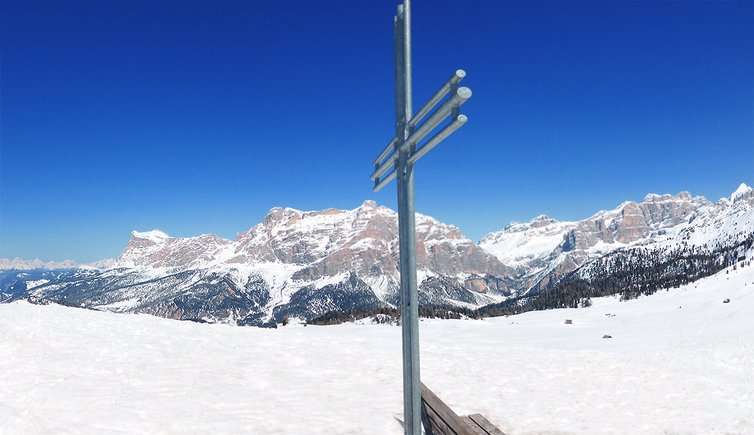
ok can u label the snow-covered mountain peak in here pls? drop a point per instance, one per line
(743, 191)
(313, 261)
(432, 230)
(542, 221)
(526, 244)
(655, 197)
(293, 249)
(286, 216)
(633, 220)
(545, 246)
(369, 204)
(280, 214)
(680, 196)
(155, 249)
(154, 236)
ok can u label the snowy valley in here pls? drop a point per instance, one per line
(678, 361)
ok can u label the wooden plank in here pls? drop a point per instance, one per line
(439, 413)
(472, 424)
(437, 430)
(439, 426)
(443, 411)
(485, 424)
(426, 424)
(444, 421)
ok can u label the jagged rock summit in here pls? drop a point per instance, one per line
(742, 193)
(293, 263)
(544, 249)
(313, 244)
(306, 263)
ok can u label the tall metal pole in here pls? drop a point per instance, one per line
(407, 224)
(400, 155)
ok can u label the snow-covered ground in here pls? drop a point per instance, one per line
(680, 361)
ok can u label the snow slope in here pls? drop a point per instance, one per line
(680, 361)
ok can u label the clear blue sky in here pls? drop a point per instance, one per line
(199, 116)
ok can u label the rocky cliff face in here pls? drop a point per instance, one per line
(316, 245)
(292, 263)
(304, 264)
(156, 249)
(544, 249)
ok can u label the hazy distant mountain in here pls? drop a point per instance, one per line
(305, 264)
(22, 264)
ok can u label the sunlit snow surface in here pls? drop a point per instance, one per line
(680, 361)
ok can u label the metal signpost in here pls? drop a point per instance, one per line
(399, 156)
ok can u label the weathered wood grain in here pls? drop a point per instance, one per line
(444, 421)
(485, 424)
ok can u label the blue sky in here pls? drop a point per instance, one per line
(198, 117)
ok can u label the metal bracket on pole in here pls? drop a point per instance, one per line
(386, 161)
(444, 89)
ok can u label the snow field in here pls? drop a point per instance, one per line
(679, 361)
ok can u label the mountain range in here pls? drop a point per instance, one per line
(306, 264)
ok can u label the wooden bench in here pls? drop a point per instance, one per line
(439, 419)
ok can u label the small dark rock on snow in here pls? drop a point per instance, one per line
(607, 336)
(569, 322)
(726, 301)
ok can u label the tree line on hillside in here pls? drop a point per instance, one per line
(393, 315)
(629, 273)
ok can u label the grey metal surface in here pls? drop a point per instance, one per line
(388, 149)
(460, 96)
(385, 181)
(407, 226)
(400, 165)
(439, 137)
(444, 89)
(385, 168)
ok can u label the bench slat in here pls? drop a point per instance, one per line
(485, 424)
(437, 430)
(472, 424)
(450, 418)
(439, 426)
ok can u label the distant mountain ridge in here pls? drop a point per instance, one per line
(293, 263)
(24, 264)
(305, 264)
(545, 249)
